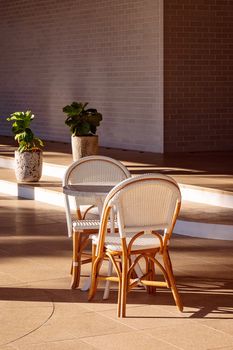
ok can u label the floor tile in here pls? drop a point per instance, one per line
(60, 345)
(149, 316)
(20, 321)
(135, 340)
(71, 344)
(192, 336)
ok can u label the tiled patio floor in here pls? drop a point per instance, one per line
(38, 310)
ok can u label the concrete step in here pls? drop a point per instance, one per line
(196, 219)
(49, 169)
(205, 221)
(195, 193)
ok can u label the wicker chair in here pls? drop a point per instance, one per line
(146, 207)
(87, 170)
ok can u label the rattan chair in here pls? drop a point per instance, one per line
(146, 207)
(87, 170)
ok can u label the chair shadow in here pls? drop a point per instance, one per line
(211, 303)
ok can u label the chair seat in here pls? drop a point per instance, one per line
(89, 224)
(113, 242)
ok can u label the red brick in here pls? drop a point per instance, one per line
(198, 75)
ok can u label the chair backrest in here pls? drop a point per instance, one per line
(148, 202)
(92, 170)
(95, 169)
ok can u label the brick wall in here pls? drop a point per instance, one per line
(110, 53)
(198, 75)
(106, 52)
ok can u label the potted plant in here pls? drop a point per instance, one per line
(83, 123)
(28, 156)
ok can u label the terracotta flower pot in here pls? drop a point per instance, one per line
(28, 166)
(83, 146)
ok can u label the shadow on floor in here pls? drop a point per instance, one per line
(214, 303)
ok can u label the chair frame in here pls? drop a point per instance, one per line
(124, 266)
(81, 237)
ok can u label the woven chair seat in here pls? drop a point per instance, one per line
(89, 224)
(113, 242)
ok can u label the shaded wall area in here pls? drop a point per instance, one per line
(105, 52)
(198, 75)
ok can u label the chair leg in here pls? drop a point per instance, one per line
(119, 297)
(76, 263)
(151, 277)
(96, 264)
(124, 287)
(107, 285)
(169, 270)
(76, 260)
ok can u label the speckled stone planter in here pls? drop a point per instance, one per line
(83, 146)
(28, 166)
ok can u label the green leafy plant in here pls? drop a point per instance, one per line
(23, 134)
(82, 121)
